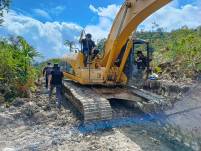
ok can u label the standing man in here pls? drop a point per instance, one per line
(55, 80)
(88, 48)
(46, 72)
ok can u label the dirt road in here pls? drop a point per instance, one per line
(29, 124)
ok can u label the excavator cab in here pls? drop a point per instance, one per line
(131, 68)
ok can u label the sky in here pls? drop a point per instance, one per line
(46, 24)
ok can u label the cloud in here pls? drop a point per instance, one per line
(42, 13)
(92, 8)
(48, 14)
(110, 11)
(100, 30)
(170, 17)
(48, 38)
(57, 10)
(173, 17)
(106, 17)
(60, 8)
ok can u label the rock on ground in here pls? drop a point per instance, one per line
(33, 125)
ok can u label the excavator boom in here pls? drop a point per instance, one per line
(131, 14)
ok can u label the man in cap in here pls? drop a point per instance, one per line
(55, 80)
(88, 48)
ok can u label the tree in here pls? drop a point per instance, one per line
(70, 44)
(101, 45)
(17, 74)
(25, 54)
(199, 31)
(4, 5)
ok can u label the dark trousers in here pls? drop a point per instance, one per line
(46, 81)
(58, 93)
(88, 56)
(85, 59)
(95, 54)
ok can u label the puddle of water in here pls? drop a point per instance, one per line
(114, 123)
(142, 129)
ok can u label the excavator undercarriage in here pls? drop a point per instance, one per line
(93, 102)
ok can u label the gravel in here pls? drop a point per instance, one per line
(33, 125)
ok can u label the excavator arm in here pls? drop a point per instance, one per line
(131, 14)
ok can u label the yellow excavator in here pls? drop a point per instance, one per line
(85, 91)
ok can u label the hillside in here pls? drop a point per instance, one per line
(177, 53)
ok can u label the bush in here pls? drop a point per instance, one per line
(178, 51)
(17, 75)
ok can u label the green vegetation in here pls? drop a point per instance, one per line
(101, 45)
(41, 65)
(177, 53)
(17, 75)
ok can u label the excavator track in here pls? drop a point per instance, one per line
(91, 106)
(94, 102)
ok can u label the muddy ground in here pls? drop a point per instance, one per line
(29, 124)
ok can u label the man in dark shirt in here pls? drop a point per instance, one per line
(141, 61)
(55, 80)
(88, 48)
(46, 72)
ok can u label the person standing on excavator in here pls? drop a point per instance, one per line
(88, 48)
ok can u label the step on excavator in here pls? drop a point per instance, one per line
(91, 87)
